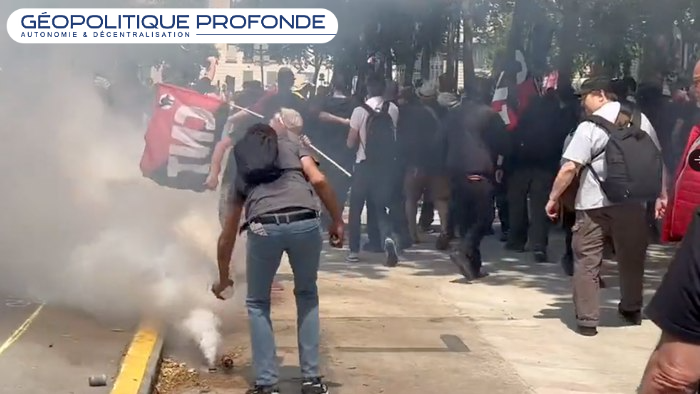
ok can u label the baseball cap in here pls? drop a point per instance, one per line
(593, 84)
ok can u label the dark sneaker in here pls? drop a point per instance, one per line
(504, 237)
(463, 265)
(633, 318)
(540, 256)
(263, 390)
(392, 253)
(314, 386)
(567, 264)
(443, 242)
(587, 331)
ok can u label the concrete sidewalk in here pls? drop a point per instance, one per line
(420, 328)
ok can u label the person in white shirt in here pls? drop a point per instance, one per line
(367, 183)
(597, 217)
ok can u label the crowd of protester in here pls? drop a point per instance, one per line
(414, 151)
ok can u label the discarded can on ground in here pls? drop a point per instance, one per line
(97, 380)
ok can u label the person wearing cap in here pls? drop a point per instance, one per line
(597, 217)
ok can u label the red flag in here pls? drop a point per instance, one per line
(504, 100)
(183, 130)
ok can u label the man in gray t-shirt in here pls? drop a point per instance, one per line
(281, 216)
(597, 217)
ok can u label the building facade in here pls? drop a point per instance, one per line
(233, 62)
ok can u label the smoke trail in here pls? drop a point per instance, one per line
(203, 326)
(81, 227)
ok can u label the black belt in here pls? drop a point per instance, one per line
(281, 218)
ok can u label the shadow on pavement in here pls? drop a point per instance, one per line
(508, 268)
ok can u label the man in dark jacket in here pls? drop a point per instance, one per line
(538, 142)
(332, 114)
(472, 134)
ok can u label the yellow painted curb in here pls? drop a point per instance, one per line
(140, 363)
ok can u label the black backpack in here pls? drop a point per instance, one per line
(633, 162)
(256, 156)
(380, 145)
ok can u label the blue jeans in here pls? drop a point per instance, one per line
(302, 241)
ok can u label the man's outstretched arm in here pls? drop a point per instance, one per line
(227, 239)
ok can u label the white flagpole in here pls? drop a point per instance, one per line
(325, 156)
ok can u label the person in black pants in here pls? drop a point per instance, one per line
(538, 143)
(472, 135)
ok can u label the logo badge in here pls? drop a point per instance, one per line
(166, 101)
(694, 160)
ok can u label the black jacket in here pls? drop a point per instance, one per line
(416, 130)
(472, 136)
(539, 138)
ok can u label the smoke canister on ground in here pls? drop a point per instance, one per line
(97, 380)
(227, 362)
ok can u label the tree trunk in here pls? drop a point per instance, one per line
(361, 88)
(457, 51)
(656, 47)
(451, 54)
(517, 31)
(425, 64)
(468, 72)
(627, 68)
(388, 68)
(567, 43)
(318, 60)
(409, 70)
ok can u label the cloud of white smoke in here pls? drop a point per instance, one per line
(81, 227)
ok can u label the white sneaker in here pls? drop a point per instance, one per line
(392, 254)
(353, 257)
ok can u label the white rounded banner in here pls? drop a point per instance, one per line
(172, 26)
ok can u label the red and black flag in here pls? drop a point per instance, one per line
(510, 99)
(183, 130)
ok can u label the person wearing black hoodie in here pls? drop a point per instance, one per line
(472, 140)
(331, 134)
(537, 145)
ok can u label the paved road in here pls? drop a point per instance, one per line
(419, 328)
(57, 352)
